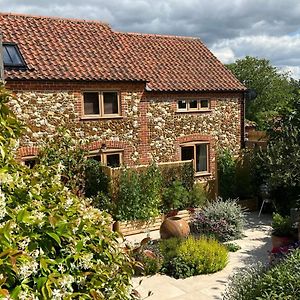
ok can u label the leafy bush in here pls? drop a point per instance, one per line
(191, 256)
(53, 244)
(175, 196)
(67, 152)
(197, 196)
(282, 226)
(183, 173)
(227, 174)
(232, 247)
(95, 179)
(139, 195)
(281, 281)
(236, 178)
(223, 220)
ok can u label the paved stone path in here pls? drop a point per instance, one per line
(255, 246)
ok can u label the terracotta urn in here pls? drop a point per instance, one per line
(280, 241)
(174, 227)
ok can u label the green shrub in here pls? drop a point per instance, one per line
(282, 226)
(197, 196)
(191, 256)
(139, 195)
(67, 152)
(53, 244)
(281, 281)
(168, 248)
(95, 179)
(184, 173)
(223, 220)
(232, 247)
(175, 196)
(226, 174)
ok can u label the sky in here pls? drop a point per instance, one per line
(231, 29)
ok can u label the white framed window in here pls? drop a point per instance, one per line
(109, 157)
(101, 104)
(199, 153)
(193, 105)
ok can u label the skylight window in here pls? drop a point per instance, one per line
(12, 56)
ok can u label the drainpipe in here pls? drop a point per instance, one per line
(1, 61)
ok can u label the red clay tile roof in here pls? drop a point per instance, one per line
(64, 49)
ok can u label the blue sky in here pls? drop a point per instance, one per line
(231, 29)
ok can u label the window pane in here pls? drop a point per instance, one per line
(193, 104)
(91, 103)
(187, 153)
(181, 104)
(95, 157)
(110, 100)
(113, 160)
(6, 58)
(204, 103)
(14, 55)
(201, 158)
(30, 163)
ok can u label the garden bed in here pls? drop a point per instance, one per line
(135, 227)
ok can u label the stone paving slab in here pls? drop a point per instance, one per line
(255, 246)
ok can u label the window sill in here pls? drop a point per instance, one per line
(200, 174)
(193, 111)
(87, 118)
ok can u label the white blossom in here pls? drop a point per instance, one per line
(57, 294)
(24, 243)
(27, 269)
(2, 205)
(86, 261)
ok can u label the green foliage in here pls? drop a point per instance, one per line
(226, 174)
(175, 196)
(183, 173)
(224, 220)
(53, 244)
(191, 256)
(279, 282)
(197, 196)
(273, 88)
(282, 226)
(139, 195)
(10, 127)
(144, 193)
(95, 179)
(235, 175)
(66, 152)
(279, 163)
(232, 247)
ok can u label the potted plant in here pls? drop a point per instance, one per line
(282, 231)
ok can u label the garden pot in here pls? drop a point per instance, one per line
(280, 241)
(116, 226)
(174, 227)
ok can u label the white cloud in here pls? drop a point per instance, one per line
(282, 51)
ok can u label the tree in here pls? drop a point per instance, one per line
(279, 163)
(273, 89)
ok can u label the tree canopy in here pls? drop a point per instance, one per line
(274, 90)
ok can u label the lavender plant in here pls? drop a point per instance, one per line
(223, 220)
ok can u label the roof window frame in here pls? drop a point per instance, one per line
(22, 65)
